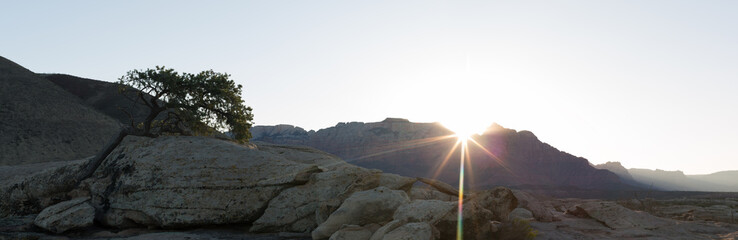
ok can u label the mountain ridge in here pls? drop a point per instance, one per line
(406, 148)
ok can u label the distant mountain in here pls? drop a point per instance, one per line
(678, 181)
(509, 157)
(729, 178)
(41, 122)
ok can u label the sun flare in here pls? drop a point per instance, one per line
(462, 130)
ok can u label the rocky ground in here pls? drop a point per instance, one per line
(596, 219)
(204, 188)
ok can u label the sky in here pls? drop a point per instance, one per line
(651, 84)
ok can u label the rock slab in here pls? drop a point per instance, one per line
(75, 213)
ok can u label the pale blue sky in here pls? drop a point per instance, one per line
(652, 84)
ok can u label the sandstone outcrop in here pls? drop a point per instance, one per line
(618, 217)
(75, 213)
(541, 210)
(371, 206)
(175, 182)
(352, 232)
(188, 181)
(28, 194)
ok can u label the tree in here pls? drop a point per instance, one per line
(191, 104)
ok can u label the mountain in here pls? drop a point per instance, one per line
(720, 178)
(103, 97)
(508, 157)
(678, 181)
(41, 122)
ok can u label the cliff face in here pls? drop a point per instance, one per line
(40, 122)
(502, 156)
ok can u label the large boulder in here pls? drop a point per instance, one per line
(302, 208)
(418, 192)
(365, 207)
(500, 201)
(412, 231)
(75, 213)
(616, 217)
(541, 211)
(31, 193)
(479, 213)
(187, 181)
(430, 211)
(352, 232)
(477, 222)
(520, 214)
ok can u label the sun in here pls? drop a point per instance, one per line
(463, 130)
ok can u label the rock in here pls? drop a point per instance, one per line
(500, 201)
(430, 211)
(428, 193)
(411, 231)
(23, 195)
(75, 213)
(305, 155)
(440, 186)
(304, 207)
(618, 217)
(392, 225)
(371, 206)
(175, 181)
(520, 214)
(476, 219)
(352, 232)
(16, 224)
(541, 211)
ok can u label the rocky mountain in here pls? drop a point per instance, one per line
(503, 157)
(102, 96)
(41, 122)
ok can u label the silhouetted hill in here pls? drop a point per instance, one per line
(419, 149)
(40, 122)
(103, 96)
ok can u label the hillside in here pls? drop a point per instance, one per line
(41, 122)
(102, 96)
(419, 149)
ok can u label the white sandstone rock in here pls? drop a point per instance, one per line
(371, 206)
(187, 181)
(411, 231)
(75, 213)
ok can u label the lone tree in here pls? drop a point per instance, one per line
(188, 104)
(193, 104)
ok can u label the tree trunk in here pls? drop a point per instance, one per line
(94, 163)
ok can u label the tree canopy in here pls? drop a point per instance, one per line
(197, 104)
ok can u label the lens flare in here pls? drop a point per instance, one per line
(459, 220)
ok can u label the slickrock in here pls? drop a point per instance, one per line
(618, 217)
(371, 206)
(75, 213)
(189, 181)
